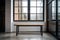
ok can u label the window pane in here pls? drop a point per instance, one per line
(33, 3)
(39, 16)
(39, 3)
(32, 16)
(58, 3)
(19, 17)
(24, 10)
(40, 10)
(24, 3)
(58, 9)
(16, 2)
(16, 16)
(59, 16)
(32, 9)
(20, 3)
(54, 3)
(24, 16)
(53, 10)
(53, 16)
(16, 10)
(19, 10)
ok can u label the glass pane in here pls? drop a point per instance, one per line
(20, 3)
(16, 10)
(33, 3)
(39, 16)
(24, 16)
(58, 9)
(19, 10)
(24, 3)
(40, 10)
(53, 3)
(53, 10)
(32, 16)
(24, 10)
(58, 3)
(53, 16)
(16, 16)
(16, 2)
(39, 3)
(32, 9)
(19, 17)
(59, 16)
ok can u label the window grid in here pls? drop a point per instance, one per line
(54, 13)
(53, 10)
(20, 13)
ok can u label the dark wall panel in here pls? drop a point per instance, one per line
(2, 15)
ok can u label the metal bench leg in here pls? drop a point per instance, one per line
(41, 31)
(17, 30)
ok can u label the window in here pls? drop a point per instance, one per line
(54, 10)
(58, 9)
(28, 10)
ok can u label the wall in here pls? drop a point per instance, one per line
(7, 16)
(2, 15)
(52, 26)
(10, 23)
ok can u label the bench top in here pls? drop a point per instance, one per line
(29, 24)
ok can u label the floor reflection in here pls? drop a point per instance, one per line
(12, 36)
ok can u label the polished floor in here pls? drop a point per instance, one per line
(12, 36)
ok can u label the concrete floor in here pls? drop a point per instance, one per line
(12, 36)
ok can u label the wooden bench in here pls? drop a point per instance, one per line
(19, 25)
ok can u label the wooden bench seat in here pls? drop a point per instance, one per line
(28, 24)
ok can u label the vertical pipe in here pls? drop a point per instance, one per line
(57, 18)
(28, 10)
(47, 15)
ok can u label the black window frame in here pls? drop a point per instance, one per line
(28, 13)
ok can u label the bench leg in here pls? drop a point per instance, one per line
(41, 31)
(17, 30)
